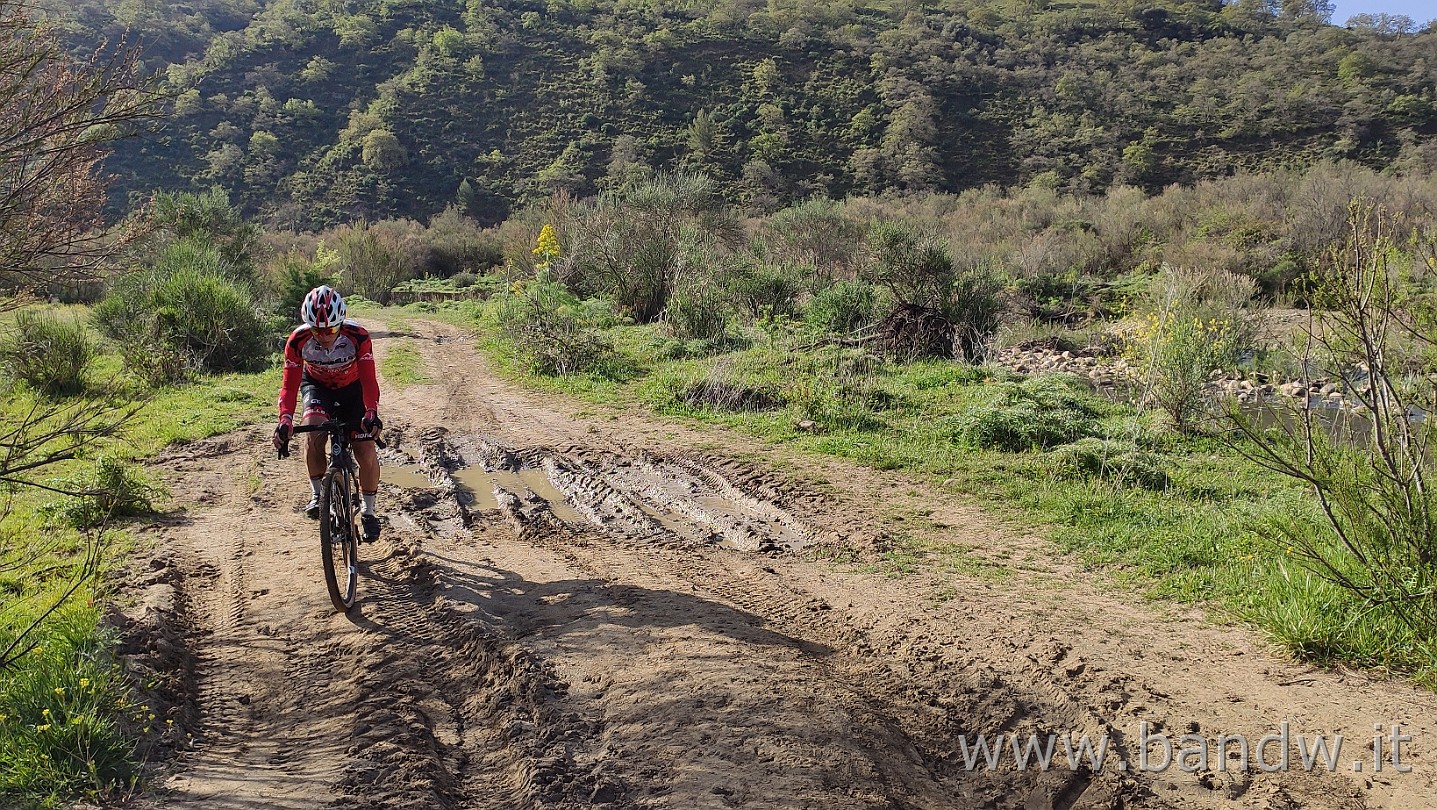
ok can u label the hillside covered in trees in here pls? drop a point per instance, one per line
(312, 112)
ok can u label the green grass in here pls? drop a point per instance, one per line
(1195, 537)
(67, 725)
(403, 367)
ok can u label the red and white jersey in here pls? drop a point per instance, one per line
(349, 359)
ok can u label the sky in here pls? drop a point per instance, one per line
(1419, 10)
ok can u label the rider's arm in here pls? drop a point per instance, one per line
(293, 372)
(368, 382)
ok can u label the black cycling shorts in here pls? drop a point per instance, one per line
(345, 403)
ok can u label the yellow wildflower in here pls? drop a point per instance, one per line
(43, 727)
(84, 683)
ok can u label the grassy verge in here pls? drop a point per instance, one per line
(402, 366)
(68, 726)
(1176, 518)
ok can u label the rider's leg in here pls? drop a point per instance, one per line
(368, 458)
(314, 458)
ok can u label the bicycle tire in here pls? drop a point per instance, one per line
(338, 538)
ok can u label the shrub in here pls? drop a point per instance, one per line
(296, 276)
(941, 308)
(463, 279)
(762, 290)
(176, 317)
(1191, 323)
(634, 245)
(554, 333)
(458, 245)
(50, 354)
(697, 313)
(1037, 413)
(376, 258)
(844, 307)
(111, 489)
(1119, 462)
(816, 234)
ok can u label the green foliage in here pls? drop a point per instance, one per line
(64, 718)
(296, 276)
(554, 333)
(1190, 324)
(374, 261)
(1120, 462)
(631, 246)
(183, 314)
(1375, 536)
(944, 98)
(697, 313)
(49, 353)
(914, 266)
(110, 489)
(761, 290)
(844, 307)
(1038, 413)
(208, 222)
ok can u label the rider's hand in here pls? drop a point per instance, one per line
(370, 422)
(282, 432)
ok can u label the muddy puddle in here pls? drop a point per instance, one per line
(405, 476)
(479, 484)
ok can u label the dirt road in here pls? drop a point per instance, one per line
(588, 608)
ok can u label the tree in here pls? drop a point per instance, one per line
(58, 116)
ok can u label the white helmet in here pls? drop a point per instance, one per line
(322, 308)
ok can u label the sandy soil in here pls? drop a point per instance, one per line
(581, 607)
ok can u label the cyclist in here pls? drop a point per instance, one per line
(330, 361)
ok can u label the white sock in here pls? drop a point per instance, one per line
(369, 498)
(314, 485)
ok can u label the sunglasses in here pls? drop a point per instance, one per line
(324, 330)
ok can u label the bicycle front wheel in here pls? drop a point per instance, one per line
(339, 537)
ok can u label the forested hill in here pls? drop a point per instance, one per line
(313, 111)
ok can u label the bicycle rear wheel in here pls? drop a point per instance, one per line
(339, 536)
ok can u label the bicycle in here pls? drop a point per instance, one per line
(339, 499)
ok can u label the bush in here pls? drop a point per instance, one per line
(697, 314)
(1190, 323)
(296, 276)
(1119, 462)
(816, 234)
(940, 307)
(50, 354)
(762, 290)
(111, 489)
(635, 245)
(845, 307)
(375, 259)
(554, 333)
(1037, 413)
(175, 317)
